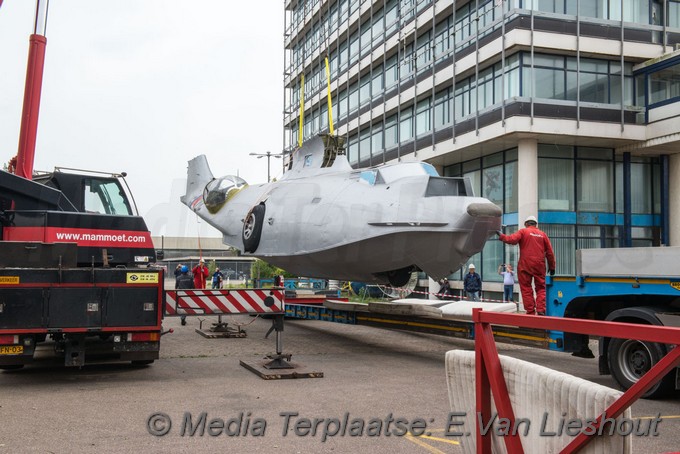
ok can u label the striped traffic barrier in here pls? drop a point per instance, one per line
(225, 301)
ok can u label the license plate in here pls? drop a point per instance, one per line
(11, 349)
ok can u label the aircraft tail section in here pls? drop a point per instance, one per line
(198, 175)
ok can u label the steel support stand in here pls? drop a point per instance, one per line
(279, 366)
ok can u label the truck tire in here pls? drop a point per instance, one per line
(252, 228)
(631, 359)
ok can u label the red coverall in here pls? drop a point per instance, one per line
(534, 249)
(200, 273)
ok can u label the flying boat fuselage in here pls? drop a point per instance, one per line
(370, 225)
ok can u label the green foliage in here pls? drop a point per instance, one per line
(267, 271)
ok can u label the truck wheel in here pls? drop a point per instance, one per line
(631, 359)
(252, 228)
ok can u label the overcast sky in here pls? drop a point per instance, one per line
(142, 86)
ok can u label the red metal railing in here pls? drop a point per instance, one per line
(489, 374)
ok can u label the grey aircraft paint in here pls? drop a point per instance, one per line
(324, 219)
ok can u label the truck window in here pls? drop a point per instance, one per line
(105, 197)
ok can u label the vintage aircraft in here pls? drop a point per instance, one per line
(324, 219)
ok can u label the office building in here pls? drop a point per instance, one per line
(564, 109)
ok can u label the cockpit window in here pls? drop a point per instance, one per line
(371, 177)
(391, 173)
(105, 197)
(219, 191)
(429, 169)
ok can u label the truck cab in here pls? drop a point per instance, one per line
(92, 209)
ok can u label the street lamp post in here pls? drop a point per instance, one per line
(267, 155)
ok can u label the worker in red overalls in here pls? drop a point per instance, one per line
(200, 273)
(534, 249)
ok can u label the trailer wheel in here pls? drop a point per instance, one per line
(252, 228)
(631, 359)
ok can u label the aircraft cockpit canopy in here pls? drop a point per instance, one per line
(389, 174)
(220, 190)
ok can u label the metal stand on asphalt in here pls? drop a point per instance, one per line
(220, 330)
(241, 301)
(279, 366)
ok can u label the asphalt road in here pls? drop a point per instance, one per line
(370, 374)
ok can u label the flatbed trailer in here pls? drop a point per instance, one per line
(632, 285)
(462, 329)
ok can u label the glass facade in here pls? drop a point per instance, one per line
(496, 85)
(582, 197)
(584, 184)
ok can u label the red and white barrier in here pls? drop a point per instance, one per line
(219, 302)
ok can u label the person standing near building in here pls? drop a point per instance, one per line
(445, 290)
(200, 273)
(472, 284)
(505, 270)
(184, 282)
(534, 249)
(217, 279)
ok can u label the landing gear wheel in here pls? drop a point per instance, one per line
(252, 228)
(631, 359)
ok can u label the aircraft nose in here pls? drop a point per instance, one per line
(484, 210)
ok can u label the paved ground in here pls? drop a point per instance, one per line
(368, 373)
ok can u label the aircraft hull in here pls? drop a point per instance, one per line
(331, 221)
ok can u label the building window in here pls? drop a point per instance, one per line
(492, 184)
(555, 178)
(511, 184)
(353, 97)
(644, 186)
(353, 149)
(376, 144)
(406, 124)
(423, 118)
(442, 108)
(365, 144)
(365, 89)
(563, 240)
(599, 81)
(391, 72)
(674, 13)
(391, 132)
(595, 183)
(423, 51)
(377, 82)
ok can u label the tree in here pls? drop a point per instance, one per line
(267, 271)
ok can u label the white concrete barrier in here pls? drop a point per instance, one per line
(543, 401)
